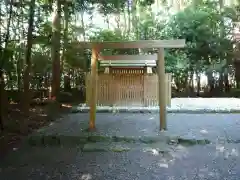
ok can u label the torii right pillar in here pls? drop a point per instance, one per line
(161, 90)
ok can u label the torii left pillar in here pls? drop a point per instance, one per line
(162, 90)
(93, 82)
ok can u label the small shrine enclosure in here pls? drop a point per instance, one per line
(129, 85)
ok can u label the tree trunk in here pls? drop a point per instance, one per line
(226, 83)
(198, 83)
(108, 21)
(221, 5)
(67, 83)
(118, 17)
(177, 82)
(134, 19)
(18, 72)
(83, 26)
(125, 22)
(177, 5)
(191, 82)
(220, 83)
(65, 35)
(56, 70)
(129, 16)
(67, 87)
(1, 99)
(117, 20)
(211, 83)
(237, 73)
(27, 71)
(1, 79)
(3, 104)
(20, 61)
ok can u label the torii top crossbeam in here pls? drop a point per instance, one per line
(180, 43)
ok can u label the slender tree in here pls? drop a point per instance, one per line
(56, 35)
(28, 61)
(3, 54)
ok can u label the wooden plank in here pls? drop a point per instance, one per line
(179, 43)
(87, 82)
(128, 57)
(162, 89)
(168, 88)
(93, 88)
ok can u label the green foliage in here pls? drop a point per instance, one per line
(77, 58)
(145, 3)
(176, 61)
(149, 27)
(41, 63)
(110, 6)
(107, 35)
(207, 30)
(83, 5)
(201, 29)
(5, 60)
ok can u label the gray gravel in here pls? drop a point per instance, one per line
(196, 162)
(218, 160)
(188, 126)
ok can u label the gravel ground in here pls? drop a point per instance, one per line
(187, 126)
(198, 162)
(218, 160)
(178, 105)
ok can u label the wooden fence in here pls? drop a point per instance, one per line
(121, 88)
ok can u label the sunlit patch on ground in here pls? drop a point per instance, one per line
(66, 105)
(12, 102)
(143, 130)
(152, 151)
(226, 152)
(226, 105)
(163, 164)
(167, 156)
(51, 124)
(204, 131)
(86, 177)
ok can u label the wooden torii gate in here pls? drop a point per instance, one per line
(159, 44)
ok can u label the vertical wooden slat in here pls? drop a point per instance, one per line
(108, 88)
(111, 89)
(128, 89)
(87, 89)
(169, 88)
(98, 95)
